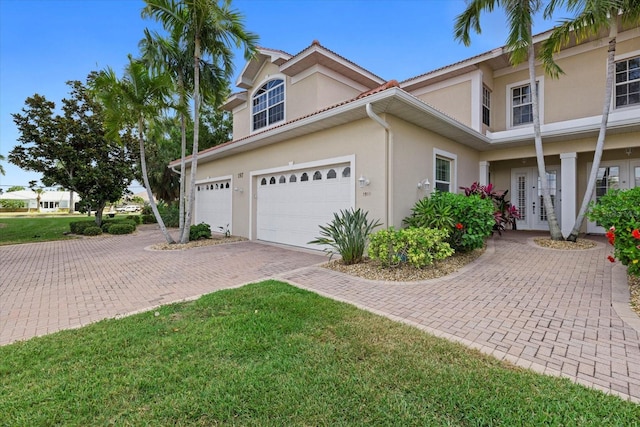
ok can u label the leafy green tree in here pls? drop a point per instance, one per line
(72, 150)
(207, 29)
(15, 188)
(133, 104)
(520, 44)
(2, 159)
(592, 17)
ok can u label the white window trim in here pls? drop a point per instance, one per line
(618, 58)
(257, 87)
(454, 169)
(482, 105)
(540, 80)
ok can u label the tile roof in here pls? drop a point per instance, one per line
(388, 85)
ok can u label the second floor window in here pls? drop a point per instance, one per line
(268, 104)
(486, 106)
(521, 105)
(628, 82)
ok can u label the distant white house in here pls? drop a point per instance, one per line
(50, 201)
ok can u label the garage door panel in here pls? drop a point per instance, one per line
(213, 204)
(291, 212)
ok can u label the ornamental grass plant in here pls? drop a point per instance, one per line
(347, 234)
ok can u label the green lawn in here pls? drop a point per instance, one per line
(35, 228)
(269, 354)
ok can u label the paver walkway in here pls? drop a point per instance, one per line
(548, 310)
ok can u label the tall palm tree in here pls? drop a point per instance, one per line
(166, 55)
(520, 43)
(132, 102)
(170, 56)
(592, 17)
(208, 29)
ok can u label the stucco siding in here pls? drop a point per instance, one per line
(413, 159)
(362, 139)
(453, 100)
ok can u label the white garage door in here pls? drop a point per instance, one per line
(291, 205)
(213, 204)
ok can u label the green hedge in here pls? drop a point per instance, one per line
(78, 227)
(92, 231)
(122, 228)
(418, 247)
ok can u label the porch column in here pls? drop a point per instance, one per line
(484, 173)
(568, 191)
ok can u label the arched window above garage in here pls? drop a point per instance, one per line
(268, 104)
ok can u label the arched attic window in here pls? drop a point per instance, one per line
(268, 104)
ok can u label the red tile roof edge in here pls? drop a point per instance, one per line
(388, 85)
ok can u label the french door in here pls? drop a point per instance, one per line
(617, 174)
(526, 195)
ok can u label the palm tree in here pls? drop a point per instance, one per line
(135, 101)
(206, 28)
(520, 43)
(591, 18)
(165, 55)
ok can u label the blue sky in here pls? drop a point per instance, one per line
(44, 43)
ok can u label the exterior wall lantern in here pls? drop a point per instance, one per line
(424, 185)
(363, 181)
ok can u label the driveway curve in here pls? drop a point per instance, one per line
(557, 312)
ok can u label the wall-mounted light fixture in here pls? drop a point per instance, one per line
(363, 181)
(238, 189)
(628, 150)
(424, 185)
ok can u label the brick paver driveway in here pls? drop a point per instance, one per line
(548, 310)
(49, 286)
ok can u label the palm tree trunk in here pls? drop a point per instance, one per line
(597, 155)
(552, 220)
(196, 132)
(145, 179)
(183, 167)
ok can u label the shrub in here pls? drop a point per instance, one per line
(12, 204)
(200, 231)
(122, 228)
(468, 220)
(170, 214)
(94, 230)
(346, 234)
(109, 223)
(78, 227)
(505, 213)
(148, 219)
(418, 247)
(431, 212)
(618, 211)
(137, 219)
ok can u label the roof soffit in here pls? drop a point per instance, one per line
(251, 69)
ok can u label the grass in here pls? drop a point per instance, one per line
(14, 230)
(269, 354)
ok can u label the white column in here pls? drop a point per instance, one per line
(568, 191)
(484, 173)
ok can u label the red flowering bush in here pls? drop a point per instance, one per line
(618, 211)
(627, 250)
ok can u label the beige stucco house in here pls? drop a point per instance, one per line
(315, 133)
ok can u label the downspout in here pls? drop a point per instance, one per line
(388, 196)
